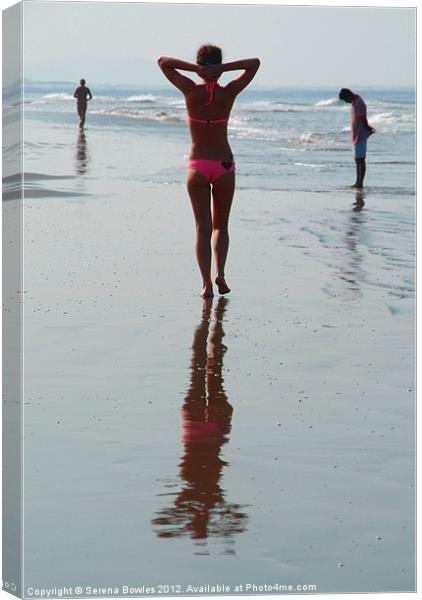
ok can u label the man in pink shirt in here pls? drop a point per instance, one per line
(361, 130)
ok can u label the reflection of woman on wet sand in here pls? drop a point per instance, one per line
(200, 509)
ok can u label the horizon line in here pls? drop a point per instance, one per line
(260, 86)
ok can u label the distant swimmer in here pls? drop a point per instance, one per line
(211, 168)
(82, 95)
(361, 130)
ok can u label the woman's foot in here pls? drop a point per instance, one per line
(207, 291)
(223, 288)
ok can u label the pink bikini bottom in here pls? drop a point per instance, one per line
(212, 169)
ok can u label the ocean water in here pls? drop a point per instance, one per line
(282, 139)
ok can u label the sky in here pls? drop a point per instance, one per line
(298, 46)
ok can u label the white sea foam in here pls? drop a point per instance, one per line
(256, 133)
(58, 96)
(173, 102)
(309, 137)
(388, 121)
(309, 165)
(329, 102)
(131, 113)
(271, 106)
(290, 107)
(386, 117)
(154, 99)
(65, 97)
(163, 116)
(389, 117)
(237, 121)
(51, 98)
(149, 98)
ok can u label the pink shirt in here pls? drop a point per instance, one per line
(359, 131)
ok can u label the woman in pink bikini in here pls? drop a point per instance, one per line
(211, 169)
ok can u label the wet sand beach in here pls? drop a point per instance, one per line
(264, 437)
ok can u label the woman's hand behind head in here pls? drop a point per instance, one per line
(210, 72)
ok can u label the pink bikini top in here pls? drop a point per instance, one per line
(210, 87)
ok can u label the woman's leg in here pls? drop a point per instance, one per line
(222, 193)
(200, 196)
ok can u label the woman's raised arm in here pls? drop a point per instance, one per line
(250, 67)
(170, 67)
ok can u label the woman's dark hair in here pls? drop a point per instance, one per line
(209, 54)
